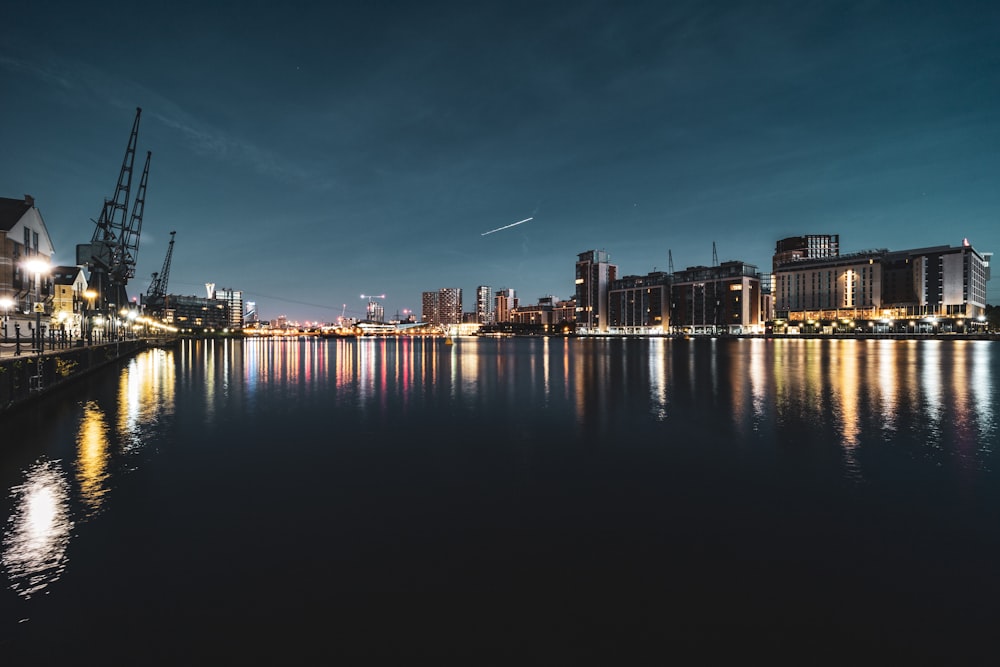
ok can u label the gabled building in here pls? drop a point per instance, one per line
(23, 238)
(69, 303)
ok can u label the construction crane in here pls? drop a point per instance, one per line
(157, 291)
(112, 253)
(670, 262)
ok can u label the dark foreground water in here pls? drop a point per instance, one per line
(520, 500)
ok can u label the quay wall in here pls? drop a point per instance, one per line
(30, 376)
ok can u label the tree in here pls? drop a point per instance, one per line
(992, 318)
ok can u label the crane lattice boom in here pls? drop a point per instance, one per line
(158, 286)
(112, 253)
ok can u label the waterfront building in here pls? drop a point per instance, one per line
(234, 305)
(505, 302)
(450, 305)
(846, 286)
(766, 297)
(548, 315)
(717, 299)
(23, 238)
(443, 306)
(640, 304)
(251, 318)
(485, 312)
(429, 307)
(594, 275)
(939, 288)
(194, 313)
(69, 285)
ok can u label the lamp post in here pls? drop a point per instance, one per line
(6, 303)
(90, 295)
(38, 266)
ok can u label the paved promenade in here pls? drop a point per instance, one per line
(9, 347)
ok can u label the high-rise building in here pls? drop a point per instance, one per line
(505, 300)
(450, 305)
(429, 307)
(234, 305)
(374, 311)
(484, 305)
(251, 317)
(594, 274)
(443, 306)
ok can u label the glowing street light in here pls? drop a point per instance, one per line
(6, 303)
(38, 266)
(90, 295)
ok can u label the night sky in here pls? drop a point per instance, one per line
(310, 152)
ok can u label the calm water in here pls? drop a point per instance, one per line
(535, 499)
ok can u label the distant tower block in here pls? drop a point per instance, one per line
(210, 288)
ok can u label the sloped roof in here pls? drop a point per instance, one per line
(65, 275)
(12, 210)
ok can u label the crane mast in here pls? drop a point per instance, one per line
(158, 286)
(129, 247)
(156, 295)
(111, 255)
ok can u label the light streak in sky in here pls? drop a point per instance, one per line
(513, 224)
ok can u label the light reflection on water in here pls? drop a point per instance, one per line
(43, 505)
(92, 456)
(932, 400)
(38, 531)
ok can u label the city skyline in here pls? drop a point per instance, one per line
(307, 154)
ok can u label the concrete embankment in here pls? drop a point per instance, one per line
(31, 375)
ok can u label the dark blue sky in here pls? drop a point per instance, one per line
(309, 152)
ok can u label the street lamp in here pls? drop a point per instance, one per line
(6, 303)
(38, 266)
(90, 295)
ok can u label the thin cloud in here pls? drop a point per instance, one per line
(36, 71)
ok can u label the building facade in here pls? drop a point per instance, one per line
(443, 306)
(810, 246)
(939, 288)
(717, 300)
(505, 302)
(25, 263)
(485, 313)
(640, 304)
(193, 313)
(233, 299)
(594, 275)
(69, 303)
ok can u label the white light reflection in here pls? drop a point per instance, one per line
(931, 384)
(981, 386)
(657, 380)
(888, 384)
(145, 394)
(545, 369)
(758, 379)
(38, 530)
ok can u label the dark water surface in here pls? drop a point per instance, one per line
(520, 500)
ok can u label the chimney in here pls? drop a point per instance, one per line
(29, 200)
